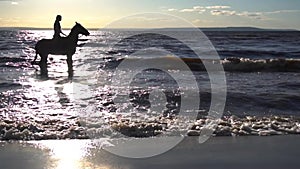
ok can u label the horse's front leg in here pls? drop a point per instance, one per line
(70, 64)
(43, 64)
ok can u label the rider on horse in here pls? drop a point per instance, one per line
(57, 28)
(59, 45)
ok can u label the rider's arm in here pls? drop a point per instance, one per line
(59, 28)
(63, 33)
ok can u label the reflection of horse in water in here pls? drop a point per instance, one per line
(59, 46)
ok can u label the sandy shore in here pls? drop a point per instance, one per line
(218, 152)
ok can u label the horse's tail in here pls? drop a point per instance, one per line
(36, 52)
(36, 55)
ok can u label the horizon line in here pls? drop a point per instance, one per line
(93, 28)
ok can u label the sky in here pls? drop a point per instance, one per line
(278, 14)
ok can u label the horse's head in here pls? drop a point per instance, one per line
(81, 30)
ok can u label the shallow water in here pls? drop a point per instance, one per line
(26, 96)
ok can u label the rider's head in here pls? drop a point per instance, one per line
(58, 17)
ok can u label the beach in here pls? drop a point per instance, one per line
(218, 152)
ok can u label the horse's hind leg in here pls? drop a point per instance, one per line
(43, 64)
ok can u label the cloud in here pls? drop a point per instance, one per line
(172, 9)
(223, 12)
(251, 15)
(282, 11)
(13, 2)
(199, 9)
(187, 10)
(262, 15)
(9, 0)
(217, 7)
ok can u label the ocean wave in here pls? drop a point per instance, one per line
(15, 62)
(231, 64)
(75, 128)
(12, 59)
(261, 65)
(9, 85)
(234, 64)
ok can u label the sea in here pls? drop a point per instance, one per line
(261, 70)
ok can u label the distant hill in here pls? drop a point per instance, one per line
(246, 29)
(232, 29)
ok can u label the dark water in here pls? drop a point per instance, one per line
(259, 45)
(262, 78)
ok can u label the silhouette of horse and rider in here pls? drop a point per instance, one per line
(59, 45)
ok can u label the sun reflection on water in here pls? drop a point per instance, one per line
(69, 154)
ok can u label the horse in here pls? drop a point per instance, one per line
(59, 46)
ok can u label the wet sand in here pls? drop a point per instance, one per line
(218, 152)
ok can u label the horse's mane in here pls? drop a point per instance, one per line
(72, 29)
(79, 28)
